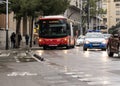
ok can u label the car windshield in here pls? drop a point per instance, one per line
(94, 36)
(106, 35)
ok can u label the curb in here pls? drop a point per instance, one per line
(35, 56)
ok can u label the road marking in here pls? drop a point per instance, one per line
(2, 55)
(22, 74)
(99, 82)
(17, 60)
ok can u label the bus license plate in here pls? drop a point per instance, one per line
(52, 45)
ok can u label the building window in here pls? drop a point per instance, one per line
(116, 0)
(104, 19)
(117, 5)
(117, 19)
(104, 0)
(117, 12)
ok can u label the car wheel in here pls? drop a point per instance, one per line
(104, 49)
(85, 49)
(110, 54)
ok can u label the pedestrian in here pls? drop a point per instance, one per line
(27, 39)
(19, 39)
(12, 38)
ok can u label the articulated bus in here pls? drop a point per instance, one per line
(55, 31)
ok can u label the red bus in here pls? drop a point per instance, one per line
(55, 31)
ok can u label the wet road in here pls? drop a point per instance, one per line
(93, 66)
(62, 67)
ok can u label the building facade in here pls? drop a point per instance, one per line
(24, 28)
(112, 16)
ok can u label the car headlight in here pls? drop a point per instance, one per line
(87, 42)
(104, 42)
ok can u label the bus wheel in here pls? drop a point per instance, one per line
(44, 47)
(67, 47)
(73, 46)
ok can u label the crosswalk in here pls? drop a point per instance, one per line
(16, 57)
(92, 80)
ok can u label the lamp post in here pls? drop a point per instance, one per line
(81, 30)
(6, 25)
(88, 16)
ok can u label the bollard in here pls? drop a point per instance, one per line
(39, 57)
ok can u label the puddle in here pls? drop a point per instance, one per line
(7, 59)
(54, 64)
(26, 59)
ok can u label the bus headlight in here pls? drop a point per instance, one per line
(40, 40)
(65, 39)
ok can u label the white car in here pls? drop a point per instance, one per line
(94, 40)
(106, 36)
(80, 40)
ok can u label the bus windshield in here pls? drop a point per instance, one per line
(53, 28)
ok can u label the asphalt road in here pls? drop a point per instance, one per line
(61, 67)
(93, 66)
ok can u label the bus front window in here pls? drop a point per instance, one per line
(53, 30)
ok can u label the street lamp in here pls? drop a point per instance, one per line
(88, 16)
(81, 30)
(6, 24)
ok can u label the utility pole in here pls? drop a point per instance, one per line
(81, 29)
(6, 24)
(88, 15)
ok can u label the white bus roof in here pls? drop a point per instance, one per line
(54, 16)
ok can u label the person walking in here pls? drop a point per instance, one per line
(26, 39)
(12, 38)
(19, 39)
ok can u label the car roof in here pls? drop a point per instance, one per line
(93, 33)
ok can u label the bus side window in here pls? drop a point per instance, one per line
(68, 28)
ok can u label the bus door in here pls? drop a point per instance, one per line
(72, 41)
(71, 30)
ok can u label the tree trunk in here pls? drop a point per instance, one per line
(31, 30)
(25, 25)
(18, 23)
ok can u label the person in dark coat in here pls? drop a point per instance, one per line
(12, 38)
(19, 39)
(26, 39)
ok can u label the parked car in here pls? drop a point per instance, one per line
(79, 40)
(94, 41)
(113, 45)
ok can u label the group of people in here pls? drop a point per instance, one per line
(13, 39)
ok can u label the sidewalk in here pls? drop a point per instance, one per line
(23, 46)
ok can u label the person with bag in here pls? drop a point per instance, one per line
(26, 39)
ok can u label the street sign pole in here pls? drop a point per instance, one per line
(6, 24)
